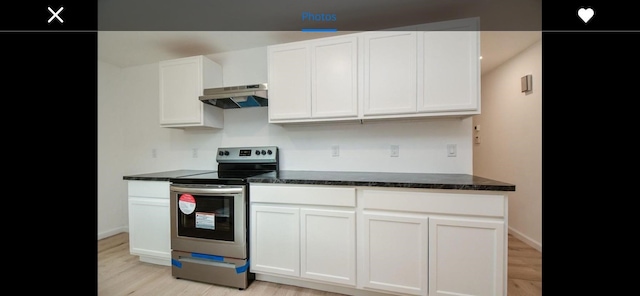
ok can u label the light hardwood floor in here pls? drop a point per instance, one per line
(120, 273)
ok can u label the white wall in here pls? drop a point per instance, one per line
(510, 148)
(128, 132)
(130, 114)
(112, 208)
(363, 147)
(248, 66)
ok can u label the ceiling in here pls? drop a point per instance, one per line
(134, 48)
(508, 26)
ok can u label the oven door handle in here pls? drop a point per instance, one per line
(216, 190)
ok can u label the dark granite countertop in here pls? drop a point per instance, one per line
(166, 176)
(405, 180)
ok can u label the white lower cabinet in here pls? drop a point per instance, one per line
(149, 221)
(328, 245)
(395, 248)
(275, 240)
(466, 257)
(305, 232)
(380, 240)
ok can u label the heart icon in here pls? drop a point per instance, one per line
(585, 14)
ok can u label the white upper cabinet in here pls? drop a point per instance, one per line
(334, 77)
(289, 81)
(313, 79)
(182, 81)
(419, 71)
(389, 72)
(449, 67)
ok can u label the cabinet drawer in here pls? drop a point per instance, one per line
(304, 195)
(491, 205)
(157, 189)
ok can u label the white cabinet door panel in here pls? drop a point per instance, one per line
(149, 229)
(182, 81)
(289, 81)
(275, 240)
(395, 253)
(328, 245)
(466, 257)
(334, 64)
(449, 66)
(390, 76)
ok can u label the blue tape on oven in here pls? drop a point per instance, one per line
(176, 263)
(243, 268)
(209, 257)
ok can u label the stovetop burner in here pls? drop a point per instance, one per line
(236, 164)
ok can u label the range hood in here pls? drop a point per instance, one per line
(242, 96)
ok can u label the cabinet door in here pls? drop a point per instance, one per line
(182, 81)
(275, 240)
(334, 77)
(328, 245)
(149, 229)
(180, 86)
(289, 81)
(466, 257)
(395, 253)
(389, 72)
(449, 66)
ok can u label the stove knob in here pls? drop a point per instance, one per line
(257, 152)
(269, 152)
(264, 152)
(220, 153)
(226, 153)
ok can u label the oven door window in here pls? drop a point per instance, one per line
(205, 216)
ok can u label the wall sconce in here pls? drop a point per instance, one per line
(526, 83)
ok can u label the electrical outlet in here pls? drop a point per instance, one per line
(195, 153)
(335, 151)
(154, 153)
(452, 150)
(395, 151)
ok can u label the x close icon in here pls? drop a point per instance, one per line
(55, 15)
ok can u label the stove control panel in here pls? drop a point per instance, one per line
(262, 154)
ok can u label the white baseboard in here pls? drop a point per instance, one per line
(527, 240)
(318, 286)
(111, 232)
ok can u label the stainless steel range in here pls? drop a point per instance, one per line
(210, 218)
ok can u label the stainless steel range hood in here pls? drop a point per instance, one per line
(242, 96)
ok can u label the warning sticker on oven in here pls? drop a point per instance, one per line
(187, 204)
(205, 220)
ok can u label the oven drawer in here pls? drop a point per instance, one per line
(304, 194)
(211, 269)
